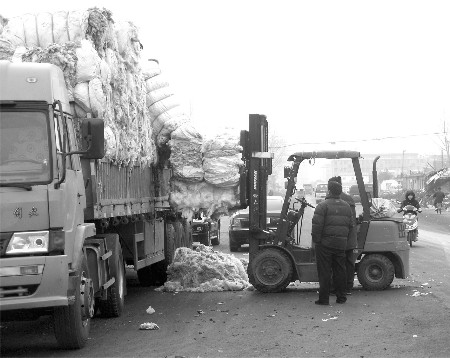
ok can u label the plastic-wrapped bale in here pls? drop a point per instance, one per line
(43, 29)
(222, 159)
(167, 113)
(214, 200)
(205, 270)
(64, 56)
(99, 79)
(186, 156)
(6, 49)
(382, 208)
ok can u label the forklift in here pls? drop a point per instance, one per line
(275, 257)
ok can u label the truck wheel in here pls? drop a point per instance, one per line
(270, 270)
(169, 242)
(145, 276)
(72, 323)
(234, 247)
(207, 240)
(216, 240)
(113, 305)
(375, 272)
(153, 275)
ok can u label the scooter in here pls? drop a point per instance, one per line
(410, 220)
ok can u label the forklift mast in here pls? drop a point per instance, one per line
(258, 166)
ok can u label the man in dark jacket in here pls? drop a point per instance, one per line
(352, 242)
(331, 226)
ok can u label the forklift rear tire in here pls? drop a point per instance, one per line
(270, 270)
(375, 272)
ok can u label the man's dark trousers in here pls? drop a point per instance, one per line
(330, 259)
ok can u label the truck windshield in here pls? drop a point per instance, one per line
(24, 148)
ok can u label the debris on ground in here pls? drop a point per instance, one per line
(150, 310)
(148, 326)
(328, 319)
(205, 270)
(417, 293)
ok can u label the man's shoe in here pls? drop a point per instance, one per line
(341, 300)
(332, 292)
(318, 302)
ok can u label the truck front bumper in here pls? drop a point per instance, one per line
(45, 287)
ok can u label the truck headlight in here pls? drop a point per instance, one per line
(28, 242)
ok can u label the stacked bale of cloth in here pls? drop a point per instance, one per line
(100, 61)
(106, 78)
(218, 192)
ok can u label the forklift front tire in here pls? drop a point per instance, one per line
(270, 270)
(375, 272)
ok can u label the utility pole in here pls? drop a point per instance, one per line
(447, 146)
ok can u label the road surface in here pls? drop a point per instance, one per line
(410, 319)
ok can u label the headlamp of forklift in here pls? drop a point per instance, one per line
(28, 243)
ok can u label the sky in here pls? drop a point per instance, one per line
(372, 76)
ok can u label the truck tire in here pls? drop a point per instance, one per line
(233, 247)
(170, 241)
(153, 275)
(270, 270)
(375, 272)
(157, 273)
(72, 323)
(207, 239)
(216, 240)
(145, 276)
(113, 305)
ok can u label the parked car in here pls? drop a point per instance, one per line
(239, 223)
(206, 231)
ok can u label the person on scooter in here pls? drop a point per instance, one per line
(410, 199)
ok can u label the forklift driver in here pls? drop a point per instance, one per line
(331, 226)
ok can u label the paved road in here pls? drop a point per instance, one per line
(411, 319)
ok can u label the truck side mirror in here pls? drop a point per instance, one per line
(93, 134)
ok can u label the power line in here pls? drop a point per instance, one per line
(357, 140)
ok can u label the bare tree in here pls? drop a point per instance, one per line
(444, 144)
